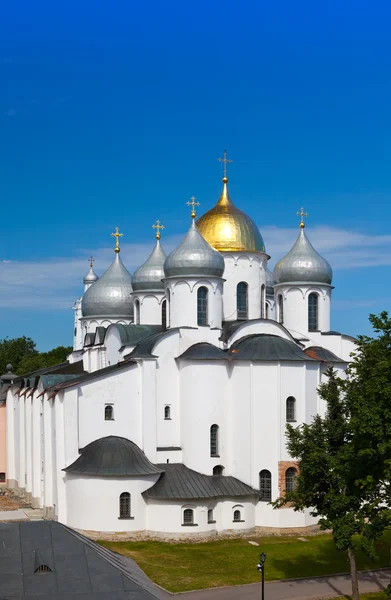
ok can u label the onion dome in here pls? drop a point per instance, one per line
(91, 276)
(303, 264)
(149, 276)
(194, 257)
(112, 455)
(227, 228)
(110, 295)
(269, 283)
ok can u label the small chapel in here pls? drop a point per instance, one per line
(169, 416)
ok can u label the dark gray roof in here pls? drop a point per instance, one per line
(263, 346)
(203, 351)
(322, 354)
(112, 455)
(180, 482)
(55, 378)
(144, 349)
(131, 335)
(65, 367)
(80, 568)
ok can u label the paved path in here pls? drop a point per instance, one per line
(297, 589)
(21, 514)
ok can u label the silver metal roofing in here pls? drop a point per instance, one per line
(149, 276)
(194, 257)
(110, 295)
(303, 264)
(80, 569)
(269, 283)
(181, 483)
(91, 276)
(112, 456)
(132, 334)
(266, 347)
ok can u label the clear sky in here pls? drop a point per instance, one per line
(114, 113)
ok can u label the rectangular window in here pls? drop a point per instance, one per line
(2, 477)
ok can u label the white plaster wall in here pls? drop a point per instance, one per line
(11, 439)
(259, 326)
(293, 383)
(250, 268)
(93, 502)
(150, 307)
(77, 328)
(183, 300)
(295, 299)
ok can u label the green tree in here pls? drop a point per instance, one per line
(13, 350)
(41, 360)
(344, 459)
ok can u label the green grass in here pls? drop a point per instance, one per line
(183, 566)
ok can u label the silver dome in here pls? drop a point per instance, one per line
(149, 276)
(303, 264)
(194, 257)
(269, 283)
(91, 276)
(110, 295)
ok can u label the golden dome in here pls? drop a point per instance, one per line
(229, 229)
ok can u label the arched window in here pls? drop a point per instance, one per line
(188, 516)
(290, 479)
(137, 312)
(164, 313)
(313, 312)
(124, 505)
(214, 440)
(237, 515)
(168, 308)
(267, 310)
(210, 516)
(263, 301)
(167, 412)
(265, 485)
(202, 306)
(218, 470)
(290, 409)
(109, 412)
(242, 301)
(280, 309)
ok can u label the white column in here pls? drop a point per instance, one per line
(183, 301)
(247, 267)
(36, 450)
(10, 408)
(148, 403)
(48, 458)
(22, 444)
(29, 458)
(150, 307)
(61, 512)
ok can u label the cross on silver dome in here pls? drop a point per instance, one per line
(149, 276)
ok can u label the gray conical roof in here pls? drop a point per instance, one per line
(303, 264)
(149, 276)
(194, 257)
(91, 276)
(110, 295)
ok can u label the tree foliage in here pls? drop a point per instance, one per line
(25, 358)
(344, 458)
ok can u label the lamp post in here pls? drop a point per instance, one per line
(261, 568)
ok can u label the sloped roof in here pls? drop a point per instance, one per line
(181, 483)
(131, 335)
(80, 568)
(230, 327)
(65, 367)
(203, 351)
(266, 347)
(145, 348)
(112, 455)
(322, 354)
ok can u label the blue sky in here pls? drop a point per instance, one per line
(114, 113)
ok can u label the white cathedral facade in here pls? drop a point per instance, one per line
(170, 415)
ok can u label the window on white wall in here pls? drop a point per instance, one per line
(124, 505)
(263, 301)
(214, 440)
(210, 516)
(167, 412)
(290, 409)
(237, 516)
(280, 309)
(265, 485)
(313, 312)
(290, 479)
(164, 313)
(202, 306)
(242, 301)
(218, 470)
(109, 412)
(188, 516)
(137, 312)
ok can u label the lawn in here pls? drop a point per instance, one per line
(181, 567)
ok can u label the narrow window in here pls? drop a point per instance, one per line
(313, 312)
(2, 477)
(265, 486)
(218, 470)
(280, 309)
(210, 516)
(43, 569)
(263, 301)
(290, 409)
(202, 306)
(242, 301)
(214, 440)
(167, 412)
(164, 313)
(188, 516)
(237, 515)
(124, 505)
(137, 312)
(109, 412)
(267, 310)
(290, 479)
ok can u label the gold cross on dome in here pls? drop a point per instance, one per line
(91, 261)
(300, 213)
(158, 227)
(193, 203)
(225, 161)
(117, 235)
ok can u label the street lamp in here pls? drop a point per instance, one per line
(261, 568)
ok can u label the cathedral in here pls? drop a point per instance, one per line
(169, 416)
